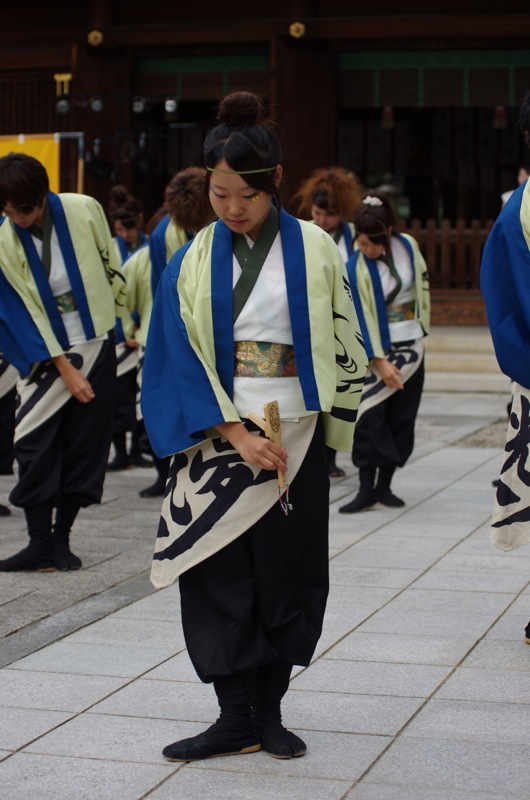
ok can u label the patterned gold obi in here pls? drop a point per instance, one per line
(264, 360)
(399, 312)
(66, 302)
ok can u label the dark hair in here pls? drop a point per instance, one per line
(524, 117)
(124, 207)
(186, 201)
(153, 221)
(245, 139)
(332, 189)
(374, 220)
(23, 181)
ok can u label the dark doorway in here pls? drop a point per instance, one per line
(437, 163)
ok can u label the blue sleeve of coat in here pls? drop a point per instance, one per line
(157, 248)
(351, 267)
(178, 400)
(20, 339)
(505, 284)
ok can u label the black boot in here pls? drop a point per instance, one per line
(38, 555)
(135, 453)
(366, 497)
(158, 487)
(67, 511)
(333, 470)
(272, 682)
(382, 489)
(232, 734)
(121, 460)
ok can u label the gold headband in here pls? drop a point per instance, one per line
(242, 172)
(373, 235)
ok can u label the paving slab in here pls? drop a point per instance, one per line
(488, 685)
(50, 692)
(381, 791)
(369, 678)
(500, 654)
(94, 659)
(20, 726)
(195, 783)
(471, 721)
(131, 740)
(26, 776)
(348, 713)
(448, 765)
(401, 649)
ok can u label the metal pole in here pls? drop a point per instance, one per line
(80, 136)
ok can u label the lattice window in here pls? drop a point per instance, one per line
(28, 104)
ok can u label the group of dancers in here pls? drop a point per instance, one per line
(254, 308)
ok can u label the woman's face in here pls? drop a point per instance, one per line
(129, 235)
(367, 247)
(328, 222)
(24, 217)
(242, 208)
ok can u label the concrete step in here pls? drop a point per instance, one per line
(459, 339)
(467, 382)
(438, 361)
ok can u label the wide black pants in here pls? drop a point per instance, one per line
(7, 429)
(67, 454)
(262, 598)
(384, 435)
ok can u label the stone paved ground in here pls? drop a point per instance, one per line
(417, 688)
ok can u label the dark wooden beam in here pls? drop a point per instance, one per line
(493, 28)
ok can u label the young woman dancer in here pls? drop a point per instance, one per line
(390, 286)
(257, 308)
(61, 288)
(330, 197)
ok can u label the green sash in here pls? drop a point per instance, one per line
(251, 259)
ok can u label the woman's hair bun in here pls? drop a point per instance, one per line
(241, 108)
(119, 194)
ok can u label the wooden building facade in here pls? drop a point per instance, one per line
(421, 99)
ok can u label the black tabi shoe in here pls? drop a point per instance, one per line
(63, 557)
(220, 739)
(156, 490)
(386, 497)
(137, 460)
(527, 634)
(335, 472)
(364, 500)
(36, 557)
(278, 742)
(4, 511)
(119, 463)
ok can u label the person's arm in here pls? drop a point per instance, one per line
(254, 449)
(76, 383)
(389, 373)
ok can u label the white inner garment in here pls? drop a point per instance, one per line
(265, 318)
(408, 328)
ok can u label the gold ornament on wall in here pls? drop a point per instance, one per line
(62, 83)
(297, 30)
(95, 38)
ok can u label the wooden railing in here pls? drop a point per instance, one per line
(452, 254)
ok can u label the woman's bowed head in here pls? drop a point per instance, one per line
(242, 159)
